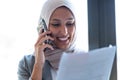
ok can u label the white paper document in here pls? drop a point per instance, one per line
(93, 65)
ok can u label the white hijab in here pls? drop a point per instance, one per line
(48, 8)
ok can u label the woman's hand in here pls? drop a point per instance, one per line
(39, 55)
(40, 47)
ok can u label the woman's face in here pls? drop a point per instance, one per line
(62, 26)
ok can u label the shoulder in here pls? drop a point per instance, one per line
(27, 58)
(27, 62)
(25, 67)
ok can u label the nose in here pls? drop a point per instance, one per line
(63, 30)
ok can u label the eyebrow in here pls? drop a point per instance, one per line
(55, 20)
(60, 20)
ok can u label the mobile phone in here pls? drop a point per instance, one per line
(50, 42)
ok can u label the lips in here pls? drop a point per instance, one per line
(63, 40)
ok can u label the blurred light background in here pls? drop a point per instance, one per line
(18, 34)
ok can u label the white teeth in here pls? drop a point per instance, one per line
(63, 39)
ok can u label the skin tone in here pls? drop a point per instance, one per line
(62, 28)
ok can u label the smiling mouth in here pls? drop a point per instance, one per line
(63, 39)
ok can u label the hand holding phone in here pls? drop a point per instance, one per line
(44, 29)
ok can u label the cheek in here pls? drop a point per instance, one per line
(54, 32)
(72, 31)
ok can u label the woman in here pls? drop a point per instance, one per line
(57, 35)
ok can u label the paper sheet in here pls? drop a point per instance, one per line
(94, 65)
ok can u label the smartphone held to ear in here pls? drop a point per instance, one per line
(44, 29)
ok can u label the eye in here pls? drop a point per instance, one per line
(69, 24)
(55, 24)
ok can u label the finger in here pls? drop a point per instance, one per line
(47, 46)
(44, 33)
(42, 47)
(41, 31)
(41, 41)
(44, 39)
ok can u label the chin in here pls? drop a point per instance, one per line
(63, 47)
